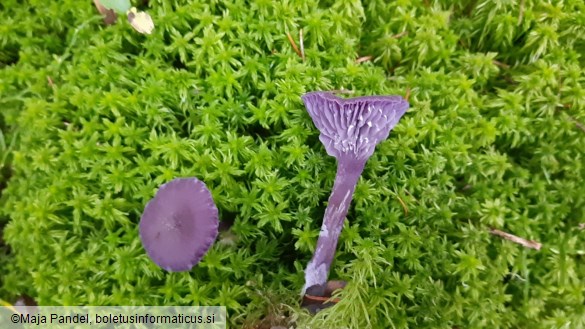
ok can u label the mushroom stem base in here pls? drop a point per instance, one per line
(316, 303)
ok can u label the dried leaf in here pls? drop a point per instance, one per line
(140, 21)
(109, 15)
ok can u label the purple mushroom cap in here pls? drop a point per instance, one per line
(179, 224)
(353, 127)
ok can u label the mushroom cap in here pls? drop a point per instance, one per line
(179, 224)
(353, 127)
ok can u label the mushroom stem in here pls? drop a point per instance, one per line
(348, 173)
(349, 129)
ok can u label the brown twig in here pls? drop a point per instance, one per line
(400, 35)
(407, 96)
(502, 65)
(404, 207)
(363, 59)
(294, 45)
(109, 14)
(50, 82)
(302, 43)
(521, 241)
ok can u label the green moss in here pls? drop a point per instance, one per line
(102, 116)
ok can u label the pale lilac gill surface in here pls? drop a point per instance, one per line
(179, 224)
(349, 129)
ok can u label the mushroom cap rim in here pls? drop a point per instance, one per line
(330, 96)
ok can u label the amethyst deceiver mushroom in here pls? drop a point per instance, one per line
(349, 129)
(179, 224)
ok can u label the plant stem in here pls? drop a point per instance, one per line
(348, 173)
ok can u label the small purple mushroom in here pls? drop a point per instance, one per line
(350, 130)
(179, 224)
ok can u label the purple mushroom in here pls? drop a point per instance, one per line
(179, 224)
(349, 129)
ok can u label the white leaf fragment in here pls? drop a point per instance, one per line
(140, 21)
